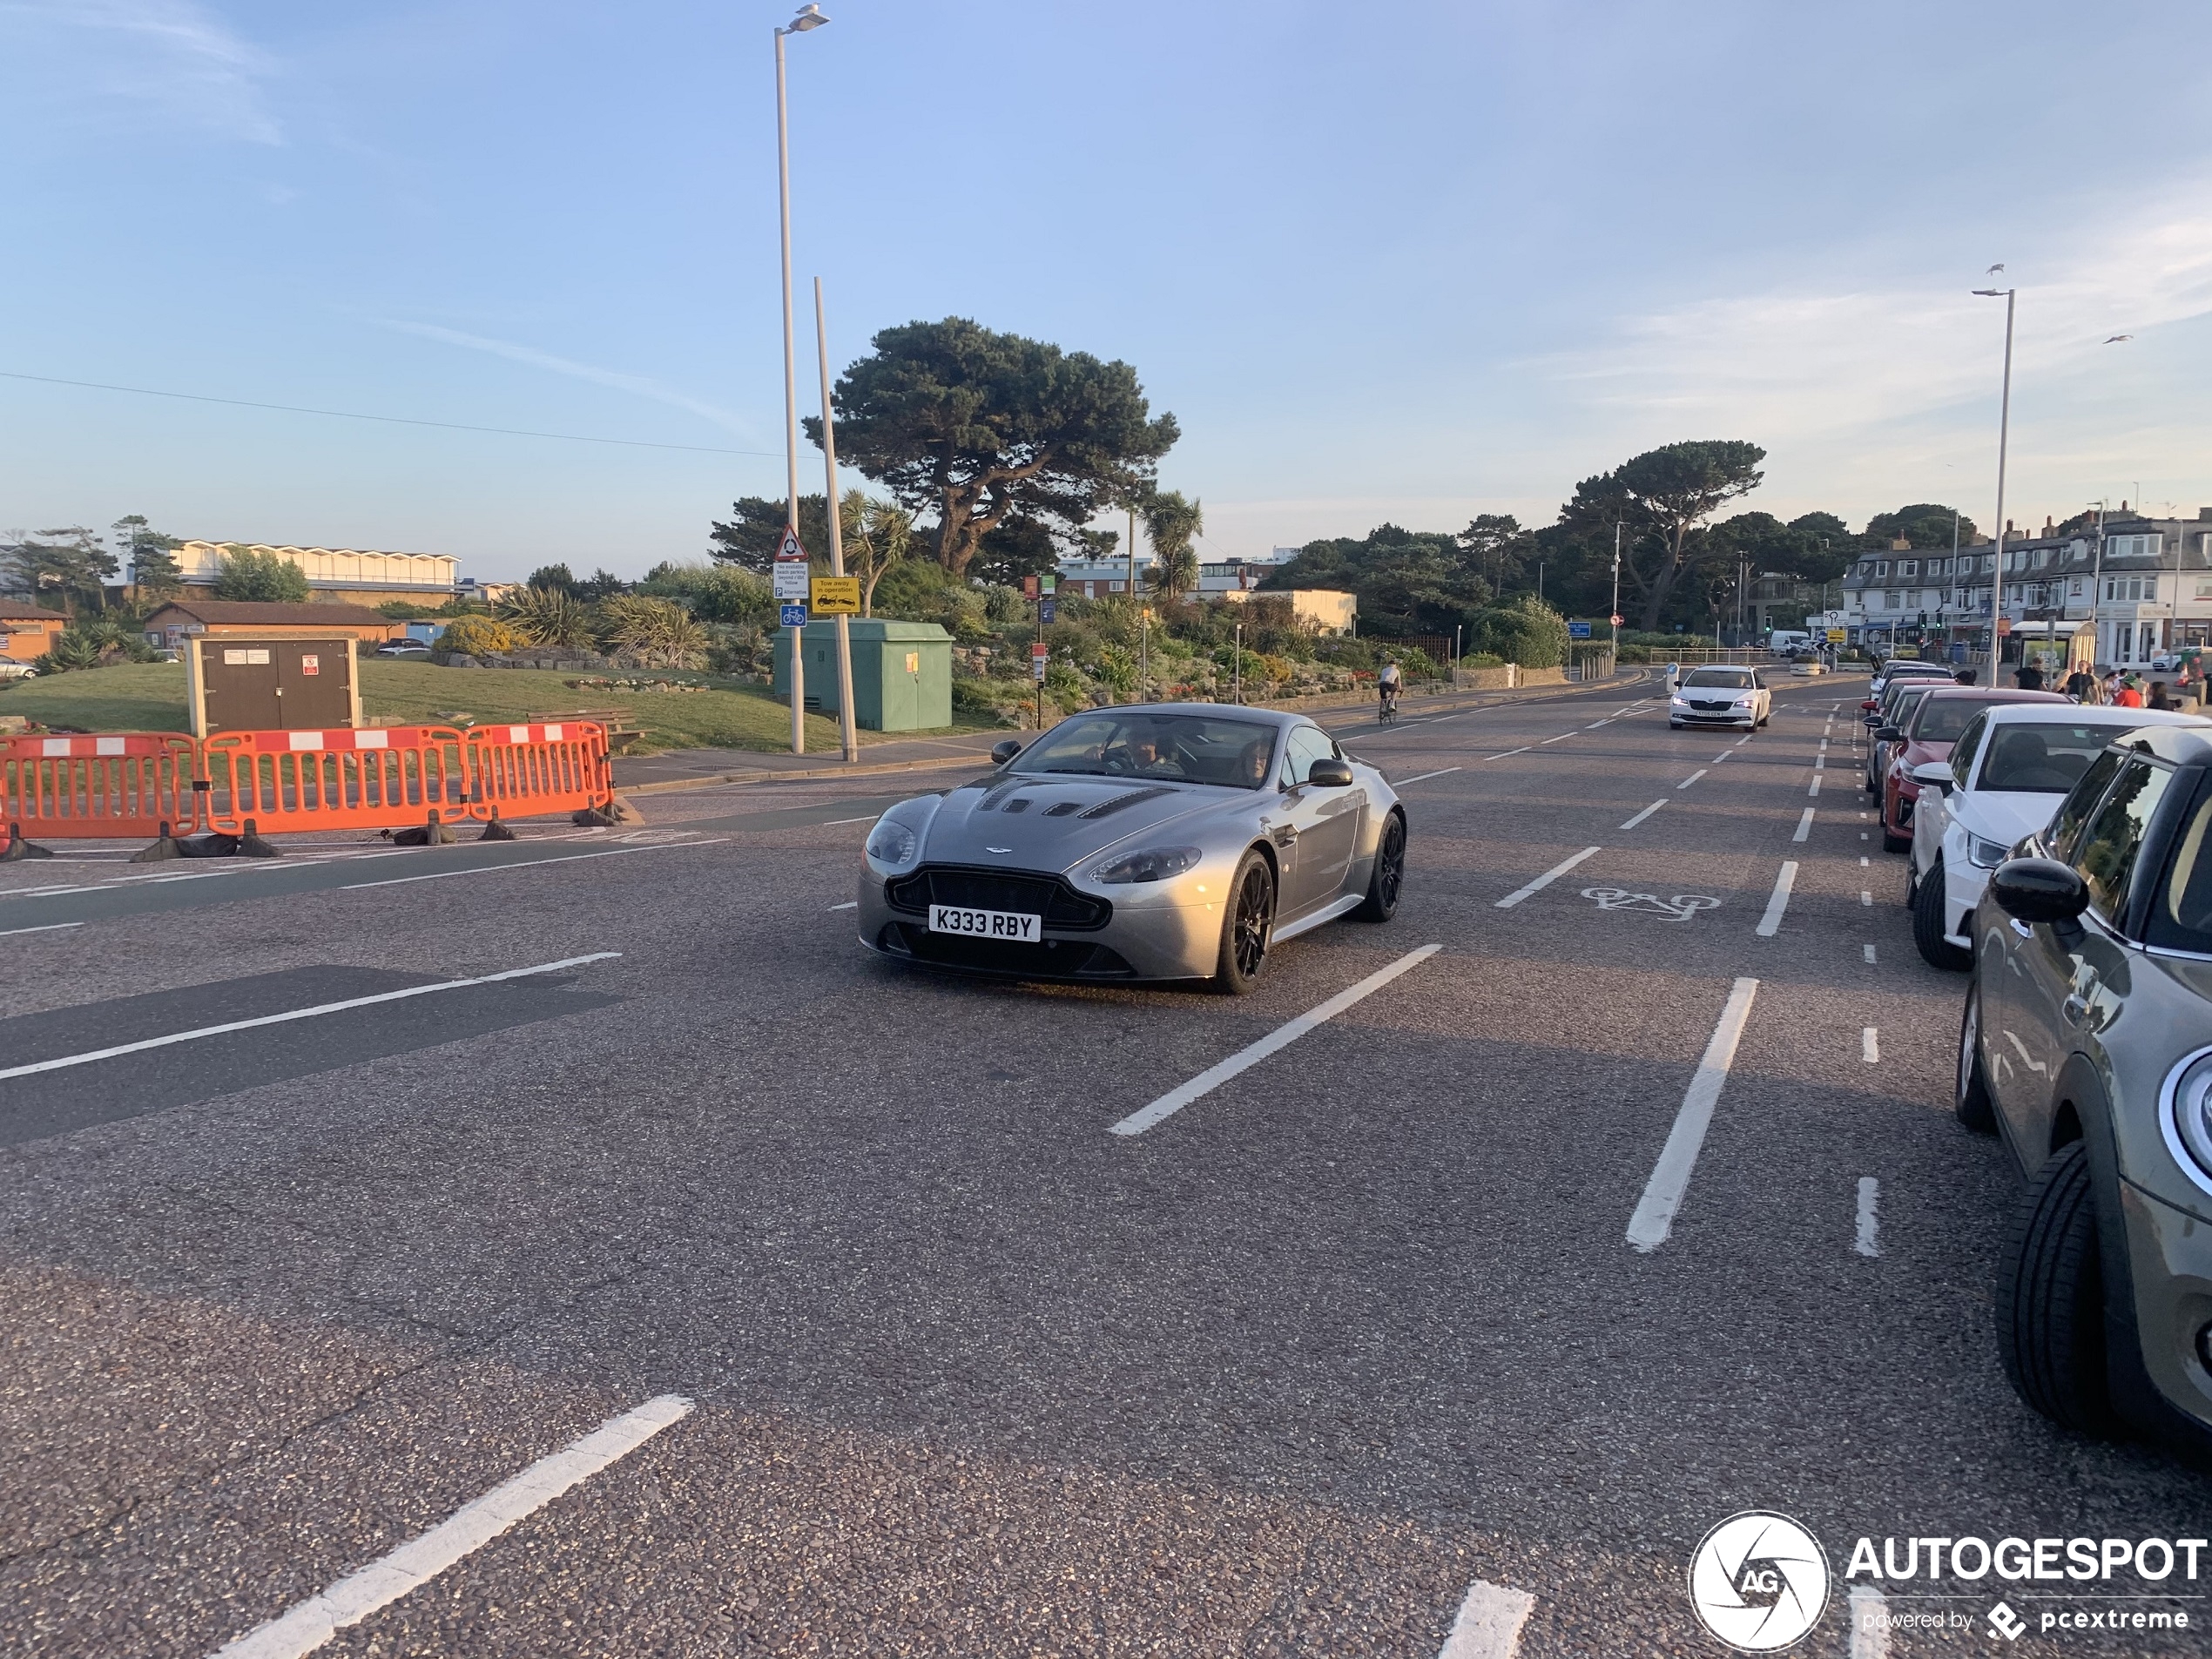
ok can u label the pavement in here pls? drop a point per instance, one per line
(580, 1246)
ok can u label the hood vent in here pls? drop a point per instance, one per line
(1107, 807)
(1061, 809)
(1019, 804)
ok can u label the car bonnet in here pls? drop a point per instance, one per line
(1035, 821)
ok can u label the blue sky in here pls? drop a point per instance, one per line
(1412, 261)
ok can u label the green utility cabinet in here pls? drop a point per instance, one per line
(902, 672)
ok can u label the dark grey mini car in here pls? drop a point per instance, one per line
(2088, 1044)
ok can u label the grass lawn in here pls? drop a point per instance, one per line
(149, 697)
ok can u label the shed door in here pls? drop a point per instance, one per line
(312, 684)
(240, 676)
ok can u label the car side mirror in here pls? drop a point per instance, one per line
(2039, 890)
(1331, 773)
(1886, 734)
(1002, 753)
(1934, 774)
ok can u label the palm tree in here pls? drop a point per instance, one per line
(547, 616)
(1171, 523)
(876, 535)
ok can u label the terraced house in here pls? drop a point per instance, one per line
(2145, 592)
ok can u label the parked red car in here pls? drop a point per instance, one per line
(1937, 724)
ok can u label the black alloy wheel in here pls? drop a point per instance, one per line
(1927, 926)
(1247, 926)
(1389, 877)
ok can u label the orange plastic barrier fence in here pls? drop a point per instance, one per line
(523, 771)
(128, 784)
(372, 777)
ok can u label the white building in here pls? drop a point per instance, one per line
(336, 570)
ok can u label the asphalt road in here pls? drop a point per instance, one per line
(1354, 1346)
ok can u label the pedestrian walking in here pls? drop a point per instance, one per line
(2082, 684)
(2027, 677)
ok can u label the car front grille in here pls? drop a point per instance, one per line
(1711, 708)
(1049, 896)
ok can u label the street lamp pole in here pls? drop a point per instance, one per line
(810, 16)
(851, 740)
(2004, 434)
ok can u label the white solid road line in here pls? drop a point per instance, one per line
(1545, 879)
(46, 927)
(1870, 1631)
(301, 1013)
(1281, 1037)
(1804, 825)
(1423, 777)
(414, 1563)
(1870, 1046)
(850, 904)
(1488, 1625)
(1662, 1194)
(1645, 813)
(1778, 900)
(864, 817)
(1869, 1194)
(1693, 777)
(530, 864)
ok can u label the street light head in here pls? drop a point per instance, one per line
(810, 16)
(1991, 293)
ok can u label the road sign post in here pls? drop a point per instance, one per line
(791, 584)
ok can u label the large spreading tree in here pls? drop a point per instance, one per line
(977, 426)
(1662, 497)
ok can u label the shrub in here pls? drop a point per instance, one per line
(1526, 631)
(547, 616)
(659, 633)
(475, 637)
(720, 593)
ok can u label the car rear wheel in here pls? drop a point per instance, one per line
(1970, 1100)
(1246, 924)
(1382, 887)
(2050, 1297)
(1927, 926)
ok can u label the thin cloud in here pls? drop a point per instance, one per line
(1800, 365)
(165, 61)
(637, 385)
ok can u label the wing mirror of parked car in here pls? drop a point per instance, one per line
(2039, 890)
(1002, 753)
(1330, 774)
(1886, 734)
(1934, 774)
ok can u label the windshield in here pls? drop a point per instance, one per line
(1943, 719)
(1903, 703)
(1188, 748)
(1735, 680)
(2038, 759)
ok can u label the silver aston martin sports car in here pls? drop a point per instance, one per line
(1163, 841)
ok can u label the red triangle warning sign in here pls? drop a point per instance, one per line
(790, 549)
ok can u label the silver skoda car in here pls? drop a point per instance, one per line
(1162, 841)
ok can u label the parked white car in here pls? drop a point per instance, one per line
(2006, 776)
(1719, 695)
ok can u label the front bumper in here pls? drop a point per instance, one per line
(1962, 885)
(2170, 1257)
(1145, 939)
(1708, 717)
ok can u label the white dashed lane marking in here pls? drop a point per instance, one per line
(1693, 777)
(1662, 1194)
(1870, 1046)
(1545, 879)
(1804, 825)
(1778, 900)
(1870, 1192)
(1645, 813)
(1488, 1625)
(352, 1599)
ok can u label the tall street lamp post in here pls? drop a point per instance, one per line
(850, 738)
(2004, 433)
(810, 16)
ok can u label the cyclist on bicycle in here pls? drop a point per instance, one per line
(1389, 683)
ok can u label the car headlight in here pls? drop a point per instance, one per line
(1679, 699)
(1985, 854)
(1153, 864)
(2190, 1094)
(894, 844)
(1743, 702)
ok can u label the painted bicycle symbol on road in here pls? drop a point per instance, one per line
(1680, 907)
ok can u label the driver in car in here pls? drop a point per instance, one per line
(1138, 750)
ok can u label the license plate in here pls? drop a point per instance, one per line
(985, 924)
